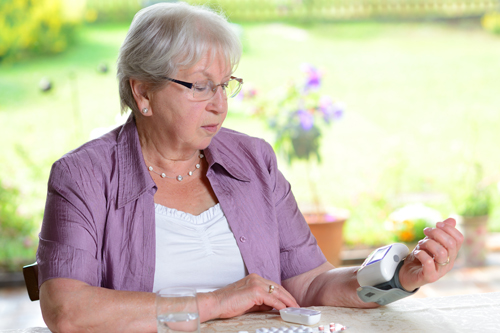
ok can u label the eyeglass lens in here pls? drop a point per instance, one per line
(207, 89)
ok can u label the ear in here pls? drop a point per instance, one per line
(141, 95)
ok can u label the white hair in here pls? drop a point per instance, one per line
(168, 36)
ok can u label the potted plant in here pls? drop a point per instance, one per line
(407, 224)
(474, 204)
(297, 114)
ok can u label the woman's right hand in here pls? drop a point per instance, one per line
(249, 294)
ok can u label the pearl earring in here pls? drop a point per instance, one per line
(145, 110)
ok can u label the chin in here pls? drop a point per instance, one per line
(205, 143)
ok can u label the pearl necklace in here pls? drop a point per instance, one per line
(179, 177)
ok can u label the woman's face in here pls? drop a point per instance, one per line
(185, 123)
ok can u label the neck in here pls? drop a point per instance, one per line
(180, 177)
(172, 160)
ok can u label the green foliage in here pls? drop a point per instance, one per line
(474, 195)
(29, 27)
(368, 212)
(114, 10)
(477, 202)
(491, 22)
(338, 10)
(17, 231)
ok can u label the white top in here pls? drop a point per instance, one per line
(195, 251)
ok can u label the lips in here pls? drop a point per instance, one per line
(212, 128)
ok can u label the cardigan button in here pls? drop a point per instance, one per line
(243, 239)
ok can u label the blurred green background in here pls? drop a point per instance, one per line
(418, 78)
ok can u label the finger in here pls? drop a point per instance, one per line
(451, 222)
(268, 302)
(435, 250)
(452, 231)
(283, 296)
(276, 303)
(259, 308)
(265, 308)
(269, 295)
(429, 267)
(449, 237)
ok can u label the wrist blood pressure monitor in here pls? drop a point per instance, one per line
(378, 276)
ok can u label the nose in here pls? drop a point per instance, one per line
(218, 102)
(222, 88)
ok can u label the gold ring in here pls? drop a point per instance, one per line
(271, 288)
(444, 263)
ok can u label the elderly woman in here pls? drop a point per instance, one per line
(173, 199)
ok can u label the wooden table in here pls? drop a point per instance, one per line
(464, 313)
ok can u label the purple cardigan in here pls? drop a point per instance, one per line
(99, 221)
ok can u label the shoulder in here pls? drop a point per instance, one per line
(232, 140)
(84, 162)
(245, 157)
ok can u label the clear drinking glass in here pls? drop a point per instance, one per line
(177, 310)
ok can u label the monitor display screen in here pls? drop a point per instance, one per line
(379, 255)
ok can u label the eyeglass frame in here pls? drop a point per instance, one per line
(190, 85)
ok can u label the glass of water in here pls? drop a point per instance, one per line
(177, 310)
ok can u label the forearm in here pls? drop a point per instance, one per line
(335, 287)
(73, 306)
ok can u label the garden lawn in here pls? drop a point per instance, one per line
(421, 99)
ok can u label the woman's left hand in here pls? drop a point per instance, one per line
(433, 257)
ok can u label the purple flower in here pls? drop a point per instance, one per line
(306, 119)
(313, 80)
(331, 111)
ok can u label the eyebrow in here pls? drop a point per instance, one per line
(210, 77)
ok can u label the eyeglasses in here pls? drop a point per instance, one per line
(206, 89)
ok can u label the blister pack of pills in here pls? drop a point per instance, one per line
(333, 327)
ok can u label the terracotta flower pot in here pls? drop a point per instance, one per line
(327, 228)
